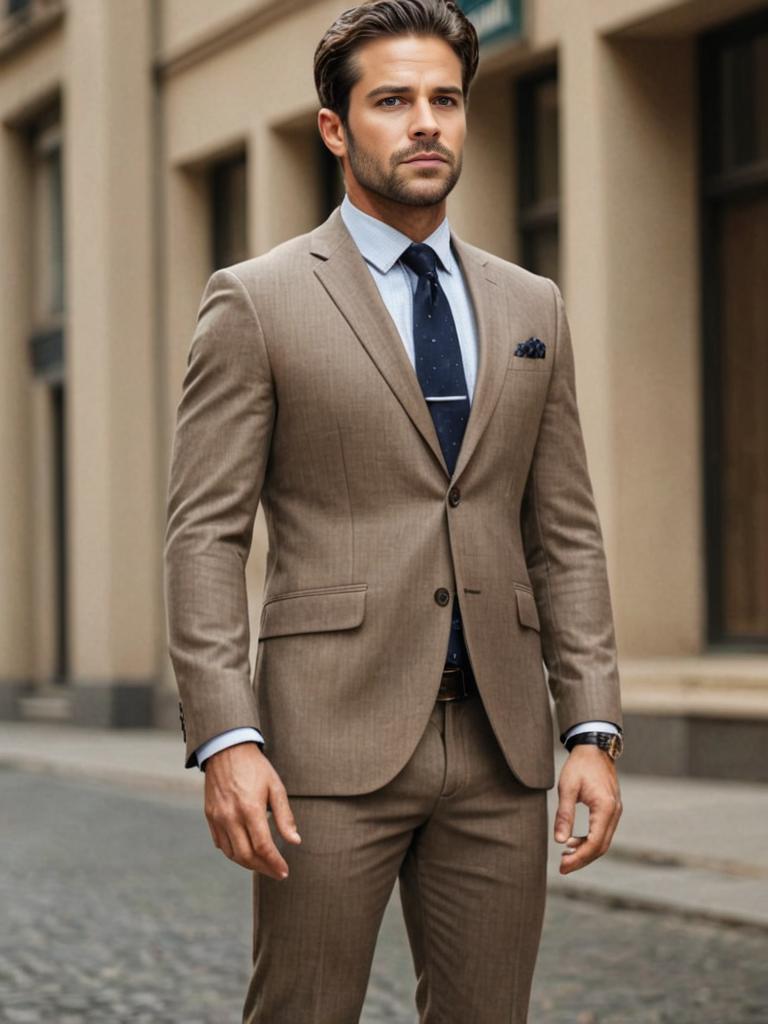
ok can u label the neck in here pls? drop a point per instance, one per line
(417, 222)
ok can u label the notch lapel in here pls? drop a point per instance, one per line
(345, 276)
(489, 303)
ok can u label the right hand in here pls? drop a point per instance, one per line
(239, 784)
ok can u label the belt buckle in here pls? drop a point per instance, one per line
(452, 671)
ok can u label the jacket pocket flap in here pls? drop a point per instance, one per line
(313, 611)
(527, 611)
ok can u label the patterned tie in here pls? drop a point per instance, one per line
(440, 371)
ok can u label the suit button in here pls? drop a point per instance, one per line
(442, 596)
(454, 496)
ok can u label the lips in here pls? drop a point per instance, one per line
(431, 157)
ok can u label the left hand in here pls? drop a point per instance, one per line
(588, 777)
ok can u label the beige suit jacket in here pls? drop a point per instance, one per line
(299, 393)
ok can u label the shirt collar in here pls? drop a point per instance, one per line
(382, 245)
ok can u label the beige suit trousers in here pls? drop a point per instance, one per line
(468, 843)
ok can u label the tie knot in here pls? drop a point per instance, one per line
(422, 259)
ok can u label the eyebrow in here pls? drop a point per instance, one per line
(452, 90)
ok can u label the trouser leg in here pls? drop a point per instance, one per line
(315, 933)
(473, 883)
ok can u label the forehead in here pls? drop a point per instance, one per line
(406, 57)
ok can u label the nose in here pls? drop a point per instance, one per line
(423, 122)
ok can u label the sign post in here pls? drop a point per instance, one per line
(494, 19)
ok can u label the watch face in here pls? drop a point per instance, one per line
(614, 747)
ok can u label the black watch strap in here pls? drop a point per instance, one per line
(607, 741)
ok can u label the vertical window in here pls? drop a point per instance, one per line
(229, 211)
(57, 392)
(47, 348)
(48, 238)
(538, 162)
(734, 206)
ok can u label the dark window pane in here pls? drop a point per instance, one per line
(761, 96)
(542, 252)
(734, 112)
(538, 156)
(230, 213)
(57, 232)
(743, 87)
(59, 469)
(743, 477)
(547, 166)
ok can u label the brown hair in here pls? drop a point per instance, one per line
(336, 70)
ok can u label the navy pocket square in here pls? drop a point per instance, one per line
(532, 348)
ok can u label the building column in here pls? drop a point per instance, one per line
(631, 277)
(114, 543)
(16, 519)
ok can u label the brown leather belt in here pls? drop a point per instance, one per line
(456, 684)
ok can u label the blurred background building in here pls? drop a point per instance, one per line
(617, 146)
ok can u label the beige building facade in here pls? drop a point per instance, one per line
(618, 146)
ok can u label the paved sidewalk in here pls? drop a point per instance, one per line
(693, 847)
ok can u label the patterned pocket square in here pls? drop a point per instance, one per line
(533, 348)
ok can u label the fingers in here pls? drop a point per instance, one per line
(248, 842)
(614, 823)
(258, 849)
(281, 811)
(604, 813)
(588, 777)
(565, 812)
(572, 844)
(239, 785)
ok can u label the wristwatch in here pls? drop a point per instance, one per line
(611, 743)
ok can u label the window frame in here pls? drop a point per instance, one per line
(533, 216)
(218, 171)
(716, 186)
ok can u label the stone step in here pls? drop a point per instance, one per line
(45, 706)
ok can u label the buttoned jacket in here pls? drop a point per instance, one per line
(298, 393)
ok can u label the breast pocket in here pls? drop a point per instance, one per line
(528, 363)
(314, 610)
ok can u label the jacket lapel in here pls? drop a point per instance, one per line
(489, 303)
(345, 276)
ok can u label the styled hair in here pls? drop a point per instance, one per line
(337, 70)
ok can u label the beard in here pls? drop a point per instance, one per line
(390, 183)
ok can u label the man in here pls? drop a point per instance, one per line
(403, 404)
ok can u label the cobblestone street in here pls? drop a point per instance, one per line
(117, 908)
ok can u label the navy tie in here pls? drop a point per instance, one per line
(440, 371)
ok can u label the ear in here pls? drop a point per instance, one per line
(332, 131)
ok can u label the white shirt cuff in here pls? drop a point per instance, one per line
(226, 739)
(590, 727)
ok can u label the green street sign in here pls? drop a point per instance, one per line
(494, 19)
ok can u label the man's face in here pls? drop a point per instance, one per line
(407, 103)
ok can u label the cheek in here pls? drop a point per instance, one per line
(380, 137)
(454, 135)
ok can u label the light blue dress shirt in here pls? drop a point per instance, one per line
(381, 246)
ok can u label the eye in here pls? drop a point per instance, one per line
(385, 102)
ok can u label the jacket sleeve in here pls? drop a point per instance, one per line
(219, 456)
(564, 553)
